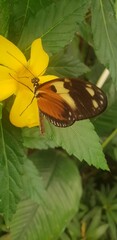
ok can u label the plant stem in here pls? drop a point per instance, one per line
(109, 138)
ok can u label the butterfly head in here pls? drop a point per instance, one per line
(35, 82)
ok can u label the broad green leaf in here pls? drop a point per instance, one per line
(56, 24)
(51, 206)
(79, 140)
(11, 160)
(67, 62)
(85, 31)
(21, 11)
(95, 73)
(4, 17)
(35, 190)
(104, 28)
(32, 139)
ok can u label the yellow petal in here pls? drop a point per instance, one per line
(30, 116)
(6, 92)
(10, 55)
(39, 59)
(47, 78)
(7, 83)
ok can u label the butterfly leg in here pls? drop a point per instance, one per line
(42, 128)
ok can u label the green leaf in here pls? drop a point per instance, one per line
(111, 148)
(56, 24)
(67, 62)
(101, 230)
(4, 17)
(58, 199)
(32, 139)
(21, 11)
(79, 140)
(11, 159)
(73, 230)
(105, 123)
(35, 190)
(96, 228)
(85, 31)
(96, 71)
(112, 227)
(104, 28)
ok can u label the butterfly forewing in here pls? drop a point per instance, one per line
(64, 101)
(90, 100)
(54, 106)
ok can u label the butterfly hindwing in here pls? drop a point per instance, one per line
(64, 101)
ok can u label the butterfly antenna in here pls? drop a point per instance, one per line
(21, 63)
(27, 106)
(25, 66)
(21, 82)
(29, 89)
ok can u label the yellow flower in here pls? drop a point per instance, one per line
(15, 78)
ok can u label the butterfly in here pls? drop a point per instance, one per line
(63, 101)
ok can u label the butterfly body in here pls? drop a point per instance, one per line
(64, 101)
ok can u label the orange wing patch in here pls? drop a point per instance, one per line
(55, 109)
